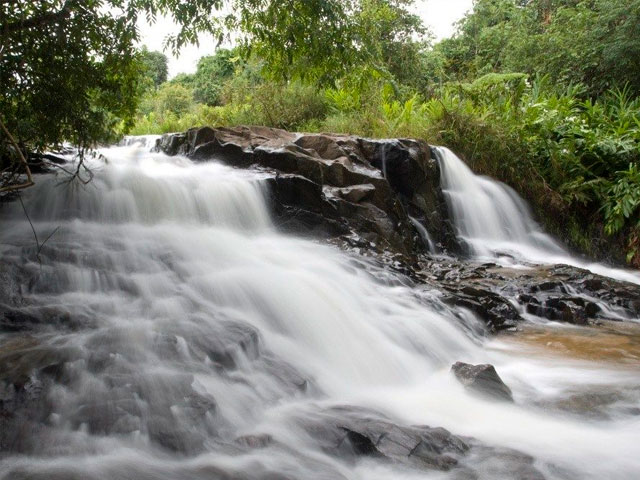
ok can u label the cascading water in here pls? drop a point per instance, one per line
(424, 235)
(494, 222)
(185, 339)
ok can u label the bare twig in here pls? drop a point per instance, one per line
(35, 234)
(23, 160)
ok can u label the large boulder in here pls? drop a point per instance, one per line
(351, 432)
(334, 184)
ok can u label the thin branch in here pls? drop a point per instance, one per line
(46, 240)
(35, 235)
(23, 160)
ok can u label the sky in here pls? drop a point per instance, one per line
(439, 15)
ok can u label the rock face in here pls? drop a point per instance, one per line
(359, 190)
(350, 432)
(482, 379)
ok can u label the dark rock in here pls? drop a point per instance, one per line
(351, 432)
(255, 441)
(482, 379)
(496, 310)
(339, 172)
(356, 193)
(498, 462)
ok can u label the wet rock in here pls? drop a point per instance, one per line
(255, 441)
(332, 184)
(352, 432)
(498, 295)
(356, 193)
(482, 379)
(14, 320)
(498, 462)
(496, 310)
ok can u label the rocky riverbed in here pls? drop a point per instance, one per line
(298, 316)
(367, 196)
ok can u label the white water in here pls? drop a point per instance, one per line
(424, 234)
(495, 223)
(175, 286)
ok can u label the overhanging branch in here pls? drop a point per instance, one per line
(38, 21)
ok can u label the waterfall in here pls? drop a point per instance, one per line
(184, 338)
(424, 235)
(489, 216)
(495, 223)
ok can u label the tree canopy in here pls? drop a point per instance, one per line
(593, 43)
(70, 69)
(155, 66)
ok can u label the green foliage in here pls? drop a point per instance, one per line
(540, 94)
(155, 66)
(288, 106)
(173, 98)
(394, 40)
(67, 71)
(211, 74)
(594, 43)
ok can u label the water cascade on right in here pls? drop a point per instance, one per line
(494, 223)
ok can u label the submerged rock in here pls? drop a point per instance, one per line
(482, 379)
(351, 432)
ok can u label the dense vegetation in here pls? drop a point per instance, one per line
(542, 94)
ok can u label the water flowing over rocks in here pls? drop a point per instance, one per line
(338, 185)
(482, 379)
(169, 330)
(364, 194)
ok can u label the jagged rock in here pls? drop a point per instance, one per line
(356, 193)
(496, 310)
(482, 379)
(345, 191)
(350, 432)
(360, 193)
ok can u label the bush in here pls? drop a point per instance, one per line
(288, 106)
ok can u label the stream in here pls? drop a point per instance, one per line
(174, 333)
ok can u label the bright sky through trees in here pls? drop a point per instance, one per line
(438, 15)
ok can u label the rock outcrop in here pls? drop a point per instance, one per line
(351, 432)
(367, 195)
(359, 190)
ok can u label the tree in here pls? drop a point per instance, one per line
(593, 43)
(70, 70)
(155, 65)
(394, 39)
(212, 72)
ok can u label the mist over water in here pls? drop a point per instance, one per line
(186, 323)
